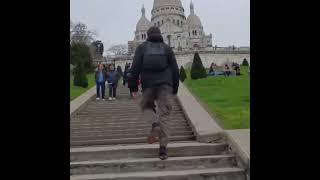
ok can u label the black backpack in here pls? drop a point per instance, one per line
(155, 57)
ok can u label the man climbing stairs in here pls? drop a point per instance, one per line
(108, 140)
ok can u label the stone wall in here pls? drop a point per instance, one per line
(206, 57)
(209, 57)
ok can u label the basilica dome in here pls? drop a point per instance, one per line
(193, 20)
(162, 3)
(143, 24)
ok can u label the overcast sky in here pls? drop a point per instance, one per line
(115, 20)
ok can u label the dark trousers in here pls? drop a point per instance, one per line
(112, 90)
(227, 73)
(101, 86)
(161, 96)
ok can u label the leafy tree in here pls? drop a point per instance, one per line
(80, 78)
(81, 52)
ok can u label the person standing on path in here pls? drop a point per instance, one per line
(100, 78)
(113, 77)
(155, 62)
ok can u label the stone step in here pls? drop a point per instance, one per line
(120, 103)
(125, 141)
(122, 116)
(122, 131)
(101, 118)
(125, 104)
(122, 127)
(88, 137)
(114, 120)
(120, 111)
(123, 124)
(152, 164)
(194, 174)
(120, 107)
(110, 113)
(145, 151)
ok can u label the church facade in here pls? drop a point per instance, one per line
(179, 32)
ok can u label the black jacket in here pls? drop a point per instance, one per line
(169, 76)
(113, 77)
(97, 75)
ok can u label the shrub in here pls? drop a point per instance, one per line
(245, 62)
(183, 74)
(197, 70)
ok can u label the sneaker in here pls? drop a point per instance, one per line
(103, 99)
(97, 98)
(155, 132)
(114, 98)
(163, 153)
(110, 98)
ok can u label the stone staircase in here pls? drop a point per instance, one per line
(108, 141)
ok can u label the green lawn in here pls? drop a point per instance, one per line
(76, 91)
(227, 98)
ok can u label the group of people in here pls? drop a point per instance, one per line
(111, 77)
(155, 67)
(105, 76)
(226, 70)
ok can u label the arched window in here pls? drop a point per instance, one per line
(189, 34)
(178, 22)
(161, 21)
(195, 32)
(158, 23)
(174, 21)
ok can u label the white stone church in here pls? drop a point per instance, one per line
(181, 33)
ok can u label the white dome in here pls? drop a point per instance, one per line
(161, 3)
(143, 24)
(193, 21)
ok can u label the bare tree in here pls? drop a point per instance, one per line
(120, 49)
(80, 33)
